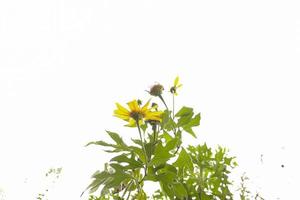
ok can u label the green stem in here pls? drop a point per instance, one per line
(173, 112)
(162, 99)
(142, 141)
(127, 187)
(154, 140)
(128, 195)
(144, 149)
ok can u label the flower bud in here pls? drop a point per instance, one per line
(156, 90)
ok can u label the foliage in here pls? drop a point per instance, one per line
(245, 193)
(157, 155)
(52, 175)
(2, 194)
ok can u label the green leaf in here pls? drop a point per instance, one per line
(220, 154)
(116, 138)
(119, 146)
(184, 160)
(161, 155)
(184, 111)
(115, 180)
(167, 136)
(133, 164)
(101, 143)
(141, 195)
(117, 166)
(192, 123)
(195, 121)
(144, 127)
(165, 117)
(171, 144)
(179, 190)
(167, 122)
(100, 178)
(149, 149)
(187, 121)
(168, 189)
(139, 152)
(137, 141)
(166, 177)
(190, 131)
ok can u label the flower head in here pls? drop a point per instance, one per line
(176, 85)
(156, 90)
(136, 113)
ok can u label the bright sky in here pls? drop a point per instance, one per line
(64, 63)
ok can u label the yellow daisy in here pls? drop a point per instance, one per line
(176, 85)
(136, 113)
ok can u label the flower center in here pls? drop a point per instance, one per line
(173, 90)
(136, 115)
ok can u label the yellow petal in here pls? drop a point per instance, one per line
(121, 108)
(176, 81)
(133, 105)
(145, 107)
(131, 123)
(124, 117)
(120, 112)
(153, 116)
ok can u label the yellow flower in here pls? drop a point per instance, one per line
(176, 85)
(136, 113)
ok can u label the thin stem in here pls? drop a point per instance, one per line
(162, 99)
(127, 187)
(145, 152)
(137, 185)
(154, 128)
(173, 112)
(201, 181)
(142, 141)
(177, 149)
(128, 195)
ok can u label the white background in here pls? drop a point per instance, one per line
(64, 63)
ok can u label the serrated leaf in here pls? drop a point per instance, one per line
(184, 120)
(184, 111)
(99, 178)
(195, 121)
(167, 136)
(138, 152)
(190, 131)
(149, 149)
(165, 117)
(161, 155)
(171, 144)
(101, 143)
(117, 166)
(143, 127)
(184, 160)
(115, 180)
(116, 138)
(137, 141)
(166, 177)
(133, 164)
(167, 122)
(192, 122)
